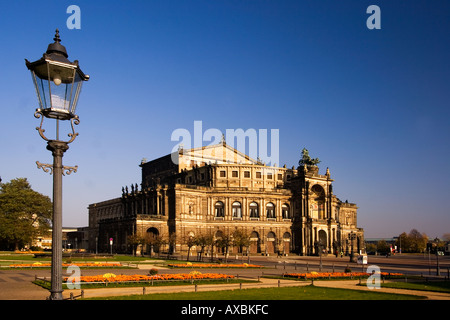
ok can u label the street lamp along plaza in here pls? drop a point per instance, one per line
(58, 84)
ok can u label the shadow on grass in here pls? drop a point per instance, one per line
(308, 292)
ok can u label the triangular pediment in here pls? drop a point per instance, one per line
(212, 154)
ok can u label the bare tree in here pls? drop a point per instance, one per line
(156, 242)
(241, 239)
(135, 240)
(190, 241)
(203, 240)
(224, 242)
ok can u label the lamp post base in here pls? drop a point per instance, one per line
(56, 296)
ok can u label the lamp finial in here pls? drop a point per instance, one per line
(57, 38)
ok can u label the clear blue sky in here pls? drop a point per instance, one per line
(373, 105)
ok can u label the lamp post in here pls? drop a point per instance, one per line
(352, 237)
(58, 84)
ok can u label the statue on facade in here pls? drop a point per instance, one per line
(306, 160)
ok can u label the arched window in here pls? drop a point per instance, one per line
(152, 239)
(218, 235)
(254, 212)
(285, 213)
(153, 232)
(322, 239)
(271, 236)
(318, 202)
(218, 209)
(237, 210)
(254, 236)
(270, 210)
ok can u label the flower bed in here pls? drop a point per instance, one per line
(336, 275)
(110, 277)
(39, 264)
(29, 252)
(213, 265)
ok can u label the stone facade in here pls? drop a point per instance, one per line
(217, 190)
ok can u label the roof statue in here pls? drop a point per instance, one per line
(306, 160)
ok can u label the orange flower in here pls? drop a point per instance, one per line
(316, 275)
(213, 265)
(137, 277)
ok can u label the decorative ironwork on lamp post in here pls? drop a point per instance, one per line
(58, 84)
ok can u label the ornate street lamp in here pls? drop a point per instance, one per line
(58, 84)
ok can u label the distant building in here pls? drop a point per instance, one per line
(76, 239)
(217, 190)
(376, 240)
(73, 239)
(42, 242)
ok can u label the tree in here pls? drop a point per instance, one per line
(371, 247)
(418, 241)
(382, 247)
(437, 245)
(190, 241)
(224, 243)
(203, 240)
(24, 214)
(403, 242)
(412, 242)
(135, 240)
(155, 242)
(241, 238)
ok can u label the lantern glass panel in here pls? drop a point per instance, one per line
(60, 90)
(76, 89)
(41, 85)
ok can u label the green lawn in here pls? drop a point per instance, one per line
(8, 257)
(437, 286)
(156, 283)
(286, 293)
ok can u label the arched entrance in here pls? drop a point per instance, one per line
(153, 232)
(255, 243)
(152, 240)
(286, 242)
(322, 242)
(271, 243)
